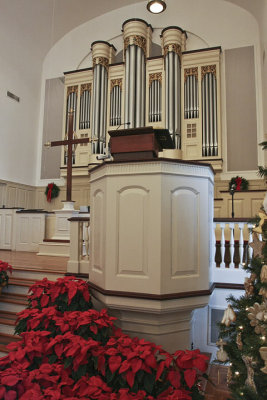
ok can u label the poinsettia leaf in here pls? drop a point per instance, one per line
(114, 363)
(174, 378)
(160, 369)
(190, 377)
(11, 395)
(130, 377)
(10, 380)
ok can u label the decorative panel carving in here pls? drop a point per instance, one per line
(184, 232)
(132, 231)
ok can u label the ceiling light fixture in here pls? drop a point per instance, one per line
(156, 6)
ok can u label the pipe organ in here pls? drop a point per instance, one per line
(175, 89)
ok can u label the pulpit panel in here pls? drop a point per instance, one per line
(131, 231)
(98, 231)
(184, 232)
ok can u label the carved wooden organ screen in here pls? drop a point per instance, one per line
(177, 89)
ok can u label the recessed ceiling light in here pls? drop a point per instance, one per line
(156, 6)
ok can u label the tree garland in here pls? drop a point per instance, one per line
(238, 183)
(51, 191)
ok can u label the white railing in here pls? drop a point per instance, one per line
(231, 250)
(79, 245)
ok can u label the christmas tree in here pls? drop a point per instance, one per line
(243, 330)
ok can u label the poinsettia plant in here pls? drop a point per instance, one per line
(70, 351)
(5, 269)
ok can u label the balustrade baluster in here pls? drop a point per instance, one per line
(250, 239)
(86, 240)
(222, 226)
(241, 243)
(80, 243)
(213, 251)
(232, 245)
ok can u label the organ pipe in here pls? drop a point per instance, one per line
(155, 101)
(209, 112)
(100, 106)
(115, 106)
(173, 96)
(135, 86)
(191, 105)
(85, 106)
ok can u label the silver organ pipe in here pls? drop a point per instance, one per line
(143, 89)
(132, 87)
(155, 101)
(115, 106)
(71, 105)
(93, 148)
(135, 86)
(167, 92)
(211, 130)
(191, 105)
(127, 74)
(173, 96)
(209, 115)
(138, 86)
(100, 108)
(85, 106)
(214, 102)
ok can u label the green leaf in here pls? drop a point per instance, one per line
(52, 359)
(67, 362)
(149, 382)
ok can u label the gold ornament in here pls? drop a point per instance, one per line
(239, 341)
(249, 287)
(250, 372)
(263, 292)
(258, 317)
(263, 353)
(263, 217)
(221, 353)
(228, 316)
(264, 274)
(256, 245)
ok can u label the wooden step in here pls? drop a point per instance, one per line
(34, 274)
(8, 318)
(13, 302)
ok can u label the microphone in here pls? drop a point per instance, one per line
(107, 154)
(125, 123)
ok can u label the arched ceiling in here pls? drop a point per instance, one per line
(44, 22)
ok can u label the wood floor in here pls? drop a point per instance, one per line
(30, 263)
(23, 259)
(217, 388)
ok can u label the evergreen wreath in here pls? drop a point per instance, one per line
(51, 191)
(239, 183)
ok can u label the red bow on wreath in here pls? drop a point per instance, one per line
(49, 193)
(238, 183)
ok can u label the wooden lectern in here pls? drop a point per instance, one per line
(139, 143)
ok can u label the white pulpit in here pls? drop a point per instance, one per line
(150, 245)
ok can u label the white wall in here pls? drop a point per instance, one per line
(20, 73)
